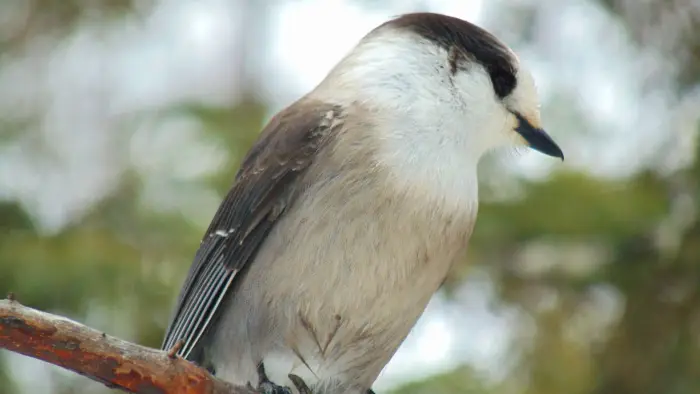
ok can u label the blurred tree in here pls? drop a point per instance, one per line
(118, 266)
(29, 19)
(462, 380)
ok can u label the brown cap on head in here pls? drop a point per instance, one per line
(467, 42)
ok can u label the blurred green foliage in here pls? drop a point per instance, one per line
(119, 266)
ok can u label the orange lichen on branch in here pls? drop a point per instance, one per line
(111, 361)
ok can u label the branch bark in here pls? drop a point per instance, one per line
(109, 360)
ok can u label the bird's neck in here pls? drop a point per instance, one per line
(423, 155)
(431, 167)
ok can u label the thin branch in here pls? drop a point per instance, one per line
(111, 361)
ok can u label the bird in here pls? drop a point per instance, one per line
(349, 210)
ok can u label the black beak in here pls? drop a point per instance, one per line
(537, 139)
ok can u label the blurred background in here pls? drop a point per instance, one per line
(122, 123)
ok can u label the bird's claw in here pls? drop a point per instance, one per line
(265, 386)
(304, 389)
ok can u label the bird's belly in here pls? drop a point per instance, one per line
(331, 297)
(330, 328)
(346, 338)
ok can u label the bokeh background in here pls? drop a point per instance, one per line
(122, 123)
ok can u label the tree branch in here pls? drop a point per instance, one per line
(111, 361)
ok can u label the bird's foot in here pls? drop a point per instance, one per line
(304, 388)
(265, 386)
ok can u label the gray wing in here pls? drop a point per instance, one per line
(265, 185)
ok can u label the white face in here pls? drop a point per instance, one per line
(433, 126)
(495, 118)
(410, 76)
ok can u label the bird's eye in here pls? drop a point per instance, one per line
(503, 83)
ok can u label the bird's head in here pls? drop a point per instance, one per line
(436, 80)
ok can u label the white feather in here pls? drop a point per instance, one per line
(432, 127)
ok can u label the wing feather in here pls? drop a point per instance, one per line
(265, 185)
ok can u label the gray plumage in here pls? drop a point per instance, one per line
(349, 211)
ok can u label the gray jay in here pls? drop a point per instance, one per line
(351, 207)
